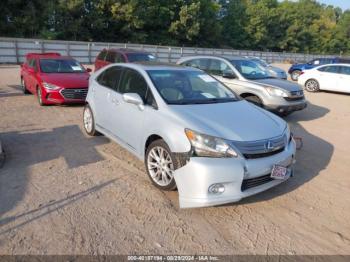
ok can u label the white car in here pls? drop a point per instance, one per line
(192, 132)
(332, 77)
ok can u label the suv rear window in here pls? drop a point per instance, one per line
(102, 55)
(135, 57)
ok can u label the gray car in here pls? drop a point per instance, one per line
(251, 82)
(192, 132)
(273, 70)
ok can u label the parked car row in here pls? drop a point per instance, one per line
(189, 123)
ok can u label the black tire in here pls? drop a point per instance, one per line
(40, 96)
(90, 131)
(254, 100)
(176, 161)
(295, 75)
(24, 88)
(312, 86)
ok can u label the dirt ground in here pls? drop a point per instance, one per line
(62, 192)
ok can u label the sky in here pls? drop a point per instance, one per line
(344, 4)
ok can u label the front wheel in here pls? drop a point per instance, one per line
(312, 86)
(295, 75)
(161, 164)
(40, 96)
(24, 88)
(255, 100)
(89, 121)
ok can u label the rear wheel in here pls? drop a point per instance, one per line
(24, 88)
(312, 85)
(255, 100)
(161, 164)
(295, 75)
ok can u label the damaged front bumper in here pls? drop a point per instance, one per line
(195, 179)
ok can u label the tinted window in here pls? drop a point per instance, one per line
(345, 70)
(32, 63)
(218, 67)
(111, 57)
(189, 87)
(119, 58)
(102, 55)
(60, 66)
(110, 77)
(134, 57)
(197, 63)
(251, 70)
(329, 69)
(133, 82)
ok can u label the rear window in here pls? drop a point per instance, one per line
(102, 55)
(138, 57)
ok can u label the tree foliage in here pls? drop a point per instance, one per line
(297, 26)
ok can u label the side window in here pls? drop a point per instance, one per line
(198, 63)
(329, 69)
(133, 82)
(217, 67)
(316, 62)
(345, 70)
(119, 58)
(102, 55)
(32, 63)
(111, 57)
(110, 78)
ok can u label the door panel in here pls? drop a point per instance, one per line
(344, 79)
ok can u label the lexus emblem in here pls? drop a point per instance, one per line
(269, 146)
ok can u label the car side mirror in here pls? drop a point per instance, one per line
(228, 74)
(89, 70)
(135, 99)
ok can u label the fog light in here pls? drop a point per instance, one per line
(216, 189)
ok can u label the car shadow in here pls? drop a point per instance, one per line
(27, 148)
(312, 158)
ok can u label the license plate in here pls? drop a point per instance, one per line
(279, 172)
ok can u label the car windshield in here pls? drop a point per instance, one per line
(260, 62)
(60, 66)
(179, 87)
(135, 57)
(251, 70)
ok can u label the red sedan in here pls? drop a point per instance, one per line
(55, 79)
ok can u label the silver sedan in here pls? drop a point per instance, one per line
(192, 132)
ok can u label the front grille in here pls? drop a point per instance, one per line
(261, 148)
(254, 156)
(295, 96)
(74, 93)
(254, 182)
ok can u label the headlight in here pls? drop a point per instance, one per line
(276, 92)
(209, 146)
(50, 86)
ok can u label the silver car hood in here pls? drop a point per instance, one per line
(237, 121)
(274, 82)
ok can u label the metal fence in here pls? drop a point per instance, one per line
(13, 50)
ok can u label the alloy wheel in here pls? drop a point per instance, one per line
(88, 122)
(160, 166)
(311, 86)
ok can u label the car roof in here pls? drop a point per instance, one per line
(227, 57)
(127, 50)
(28, 55)
(156, 66)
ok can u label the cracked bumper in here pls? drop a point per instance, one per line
(194, 179)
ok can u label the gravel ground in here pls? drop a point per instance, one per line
(62, 192)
